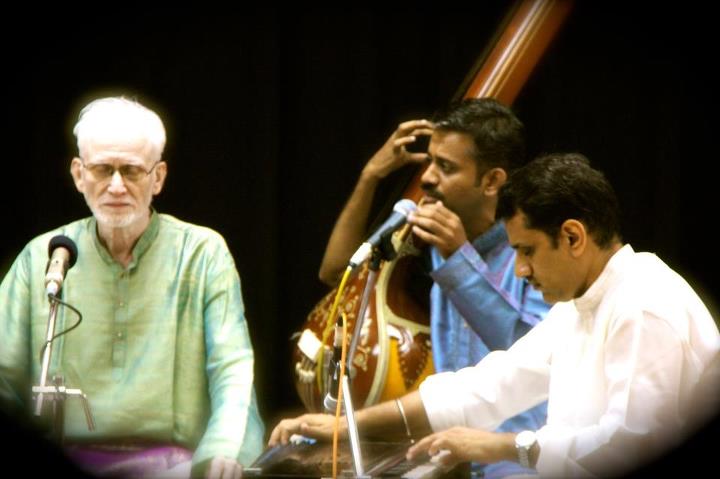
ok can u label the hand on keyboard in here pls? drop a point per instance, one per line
(439, 456)
(297, 439)
(462, 444)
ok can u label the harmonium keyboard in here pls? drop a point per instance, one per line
(309, 459)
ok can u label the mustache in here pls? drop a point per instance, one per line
(431, 191)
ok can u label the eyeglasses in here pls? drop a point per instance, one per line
(104, 171)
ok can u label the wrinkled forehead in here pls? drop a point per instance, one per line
(129, 149)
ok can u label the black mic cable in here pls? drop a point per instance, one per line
(77, 323)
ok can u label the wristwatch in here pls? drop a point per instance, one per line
(524, 442)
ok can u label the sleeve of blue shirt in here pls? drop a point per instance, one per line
(496, 304)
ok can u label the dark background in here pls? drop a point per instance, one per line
(271, 115)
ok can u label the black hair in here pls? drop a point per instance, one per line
(554, 188)
(498, 135)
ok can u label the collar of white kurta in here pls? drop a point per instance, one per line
(615, 267)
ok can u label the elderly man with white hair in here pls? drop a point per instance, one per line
(163, 352)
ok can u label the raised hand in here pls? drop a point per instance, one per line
(393, 154)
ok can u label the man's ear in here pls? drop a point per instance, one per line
(75, 167)
(160, 173)
(493, 179)
(573, 236)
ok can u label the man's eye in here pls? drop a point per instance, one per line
(129, 170)
(105, 170)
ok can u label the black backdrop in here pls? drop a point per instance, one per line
(272, 113)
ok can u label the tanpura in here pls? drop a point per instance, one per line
(391, 350)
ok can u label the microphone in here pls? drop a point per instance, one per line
(401, 210)
(330, 401)
(63, 254)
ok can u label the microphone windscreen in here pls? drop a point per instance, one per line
(405, 206)
(62, 241)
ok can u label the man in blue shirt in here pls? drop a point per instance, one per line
(477, 304)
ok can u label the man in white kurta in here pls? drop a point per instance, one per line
(618, 365)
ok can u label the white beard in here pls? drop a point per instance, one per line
(118, 220)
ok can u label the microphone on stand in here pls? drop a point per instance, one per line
(330, 401)
(397, 219)
(62, 254)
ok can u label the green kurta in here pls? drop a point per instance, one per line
(163, 351)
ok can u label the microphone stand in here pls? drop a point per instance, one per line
(373, 268)
(378, 254)
(353, 435)
(57, 392)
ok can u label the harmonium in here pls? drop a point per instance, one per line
(306, 458)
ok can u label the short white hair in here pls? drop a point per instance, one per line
(118, 119)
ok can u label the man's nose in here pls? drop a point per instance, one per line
(429, 177)
(117, 183)
(522, 269)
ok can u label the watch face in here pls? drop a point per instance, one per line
(525, 439)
